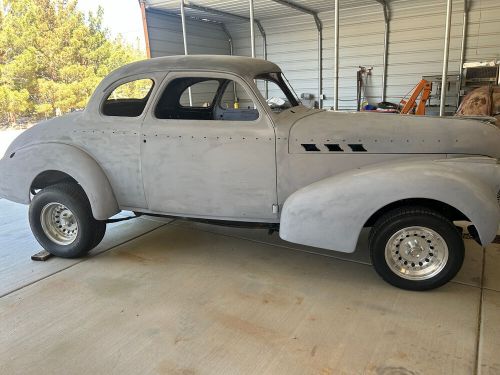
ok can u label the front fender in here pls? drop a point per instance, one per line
(331, 213)
(19, 169)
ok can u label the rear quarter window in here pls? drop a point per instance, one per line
(128, 99)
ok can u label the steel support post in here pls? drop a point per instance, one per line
(252, 26)
(463, 47)
(387, 18)
(336, 59)
(446, 55)
(184, 38)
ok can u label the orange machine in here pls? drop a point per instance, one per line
(422, 89)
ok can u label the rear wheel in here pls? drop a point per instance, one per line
(99, 232)
(61, 220)
(416, 248)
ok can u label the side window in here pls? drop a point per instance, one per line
(211, 99)
(236, 97)
(236, 104)
(128, 99)
(202, 94)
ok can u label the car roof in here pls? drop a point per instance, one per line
(240, 65)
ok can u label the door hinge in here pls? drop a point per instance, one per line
(276, 208)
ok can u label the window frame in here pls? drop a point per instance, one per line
(288, 91)
(122, 81)
(215, 75)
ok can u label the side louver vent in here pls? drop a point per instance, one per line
(358, 147)
(310, 147)
(334, 148)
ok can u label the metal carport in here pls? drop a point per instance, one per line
(303, 36)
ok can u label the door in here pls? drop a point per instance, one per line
(208, 150)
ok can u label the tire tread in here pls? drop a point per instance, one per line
(403, 212)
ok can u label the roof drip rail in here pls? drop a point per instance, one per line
(319, 26)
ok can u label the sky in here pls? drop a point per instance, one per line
(120, 17)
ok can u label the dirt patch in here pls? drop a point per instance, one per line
(246, 327)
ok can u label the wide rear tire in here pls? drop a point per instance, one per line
(62, 222)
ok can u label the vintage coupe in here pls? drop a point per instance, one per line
(195, 137)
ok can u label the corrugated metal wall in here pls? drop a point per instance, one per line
(165, 36)
(416, 45)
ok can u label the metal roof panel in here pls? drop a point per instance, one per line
(264, 9)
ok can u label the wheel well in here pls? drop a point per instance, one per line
(451, 213)
(49, 178)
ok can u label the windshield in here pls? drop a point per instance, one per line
(278, 94)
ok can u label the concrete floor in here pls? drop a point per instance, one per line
(162, 297)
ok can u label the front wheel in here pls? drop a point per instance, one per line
(416, 248)
(61, 220)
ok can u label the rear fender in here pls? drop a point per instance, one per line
(331, 213)
(19, 169)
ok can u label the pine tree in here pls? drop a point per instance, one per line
(52, 57)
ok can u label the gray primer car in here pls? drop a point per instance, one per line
(319, 176)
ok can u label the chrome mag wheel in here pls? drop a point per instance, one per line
(59, 224)
(416, 253)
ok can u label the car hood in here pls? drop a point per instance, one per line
(377, 133)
